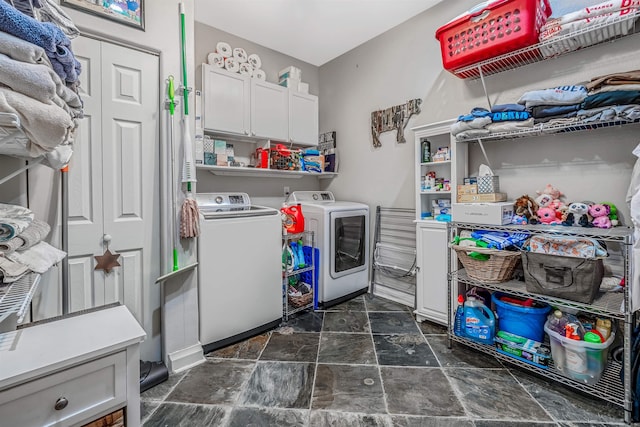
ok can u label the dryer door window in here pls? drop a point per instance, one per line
(348, 242)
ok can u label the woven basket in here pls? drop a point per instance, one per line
(498, 268)
(300, 301)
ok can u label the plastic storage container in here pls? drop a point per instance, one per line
(580, 360)
(490, 29)
(527, 322)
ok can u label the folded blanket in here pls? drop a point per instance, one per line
(562, 95)
(614, 87)
(628, 77)
(21, 50)
(44, 34)
(616, 97)
(472, 133)
(13, 220)
(542, 111)
(498, 108)
(610, 113)
(11, 271)
(65, 64)
(557, 118)
(49, 11)
(510, 126)
(33, 80)
(46, 125)
(477, 123)
(38, 258)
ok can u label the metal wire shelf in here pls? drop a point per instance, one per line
(15, 299)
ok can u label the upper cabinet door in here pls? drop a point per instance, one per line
(269, 110)
(226, 100)
(303, 118)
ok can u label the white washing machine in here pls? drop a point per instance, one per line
(239, 269)
(342, 237)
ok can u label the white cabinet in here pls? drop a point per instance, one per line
(269, 110)
(226, 101)
(431, 235)
(303, 118)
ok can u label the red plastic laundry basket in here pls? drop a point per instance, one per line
(491, 29)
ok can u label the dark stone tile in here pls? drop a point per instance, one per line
(393, 323)
(176, 415)
(348, 389)
(419, 391)
(494, 423)
(374, 303)
(346, 321)
(248, 349)
(147, 407)
(355, 304)
(280, 385)
(403, 421)
(572, 424)
(348, 419)
(161, 391)
(430, 328)
(460, 356)
(300, 347)
(244, 417)
(304, 322)
(346, 348)
(494, 394)
(404, 350)
(564, 404)
(217, 381)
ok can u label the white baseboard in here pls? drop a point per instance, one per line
(186, 358)
(394, 295)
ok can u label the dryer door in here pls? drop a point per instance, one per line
(349, 241)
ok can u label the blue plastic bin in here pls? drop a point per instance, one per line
(527, 322)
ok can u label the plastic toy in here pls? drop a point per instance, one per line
(526, 207)
(547, 215)
(577, 215)
(600, 215)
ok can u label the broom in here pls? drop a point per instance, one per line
(190, 215)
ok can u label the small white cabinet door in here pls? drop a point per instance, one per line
(431, 287)
(269, 110)
(226, 99)
(303, 118)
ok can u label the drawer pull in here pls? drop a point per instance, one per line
(61, 403)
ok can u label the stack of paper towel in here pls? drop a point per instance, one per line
(236, 60)
(291, 77)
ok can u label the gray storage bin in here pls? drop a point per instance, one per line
(576, 279)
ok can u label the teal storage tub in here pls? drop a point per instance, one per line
(527, 322)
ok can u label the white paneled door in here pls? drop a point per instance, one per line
(113, 184)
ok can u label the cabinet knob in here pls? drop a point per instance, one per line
(253, 134)
(61, 403)
(106, 238)
(246, 132)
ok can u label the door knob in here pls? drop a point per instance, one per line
(106, 238)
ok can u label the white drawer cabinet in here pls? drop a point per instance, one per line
(71, 371)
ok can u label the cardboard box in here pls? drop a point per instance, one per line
(483, 213)
(527, 350)
(467, 189)
(481, 198)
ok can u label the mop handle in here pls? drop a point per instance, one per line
(172, 109)
(184, 59)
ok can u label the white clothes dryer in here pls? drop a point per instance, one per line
(342, 237)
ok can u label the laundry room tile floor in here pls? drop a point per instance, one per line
(365, 362)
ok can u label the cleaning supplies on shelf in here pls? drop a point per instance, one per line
(292, 218)
(479, 322)
(500, 239)
(459, 318)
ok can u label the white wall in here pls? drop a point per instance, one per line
(405, 63)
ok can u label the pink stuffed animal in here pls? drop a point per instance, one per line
(547, 215)
(555, 196)
(600, 214)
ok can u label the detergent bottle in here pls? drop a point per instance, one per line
(479, 322)
(292, 219)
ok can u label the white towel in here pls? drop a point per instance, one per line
(21, 50)
(13, 220)
(477, 123)
(11, 271)
(38, 258)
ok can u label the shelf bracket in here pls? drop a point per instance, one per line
(17, 172)
(484, 86)
(484, 153)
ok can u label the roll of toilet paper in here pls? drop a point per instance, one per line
(246, 69)
(224, 49)
(231, 65)
(260, 74)
(214, 58)
(240, 55)
(255, 61)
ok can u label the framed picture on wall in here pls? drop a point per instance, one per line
(128, 12)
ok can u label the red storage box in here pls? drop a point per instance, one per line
(491, 29)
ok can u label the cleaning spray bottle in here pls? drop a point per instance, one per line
(459, 319)
(479, 322)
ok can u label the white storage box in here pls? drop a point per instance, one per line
(290, 72)
(483, 213)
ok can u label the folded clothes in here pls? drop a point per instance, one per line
(38, 258)
(10, 270)
(33, 80)
(614, 87)
(628, 77)
(510, 126)
(617, 97)
(542, 111)
(562, 95)
(13, 220)
(556, 118)
(498, 108)
(472, 133)
(34, 233)
(510, 116)
(46, 125)
(21, 50)
(49, 11)
(65, 64)
(474, 114)
(44, 34)
(610, 113)
(477, 123)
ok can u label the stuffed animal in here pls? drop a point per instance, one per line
(518, 220)
(600, 215)
(526, 207)
(547, 215)
(577, 215)
(555, 195)
(613, 213)
(544, 200)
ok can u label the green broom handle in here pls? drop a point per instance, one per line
(184, 59)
